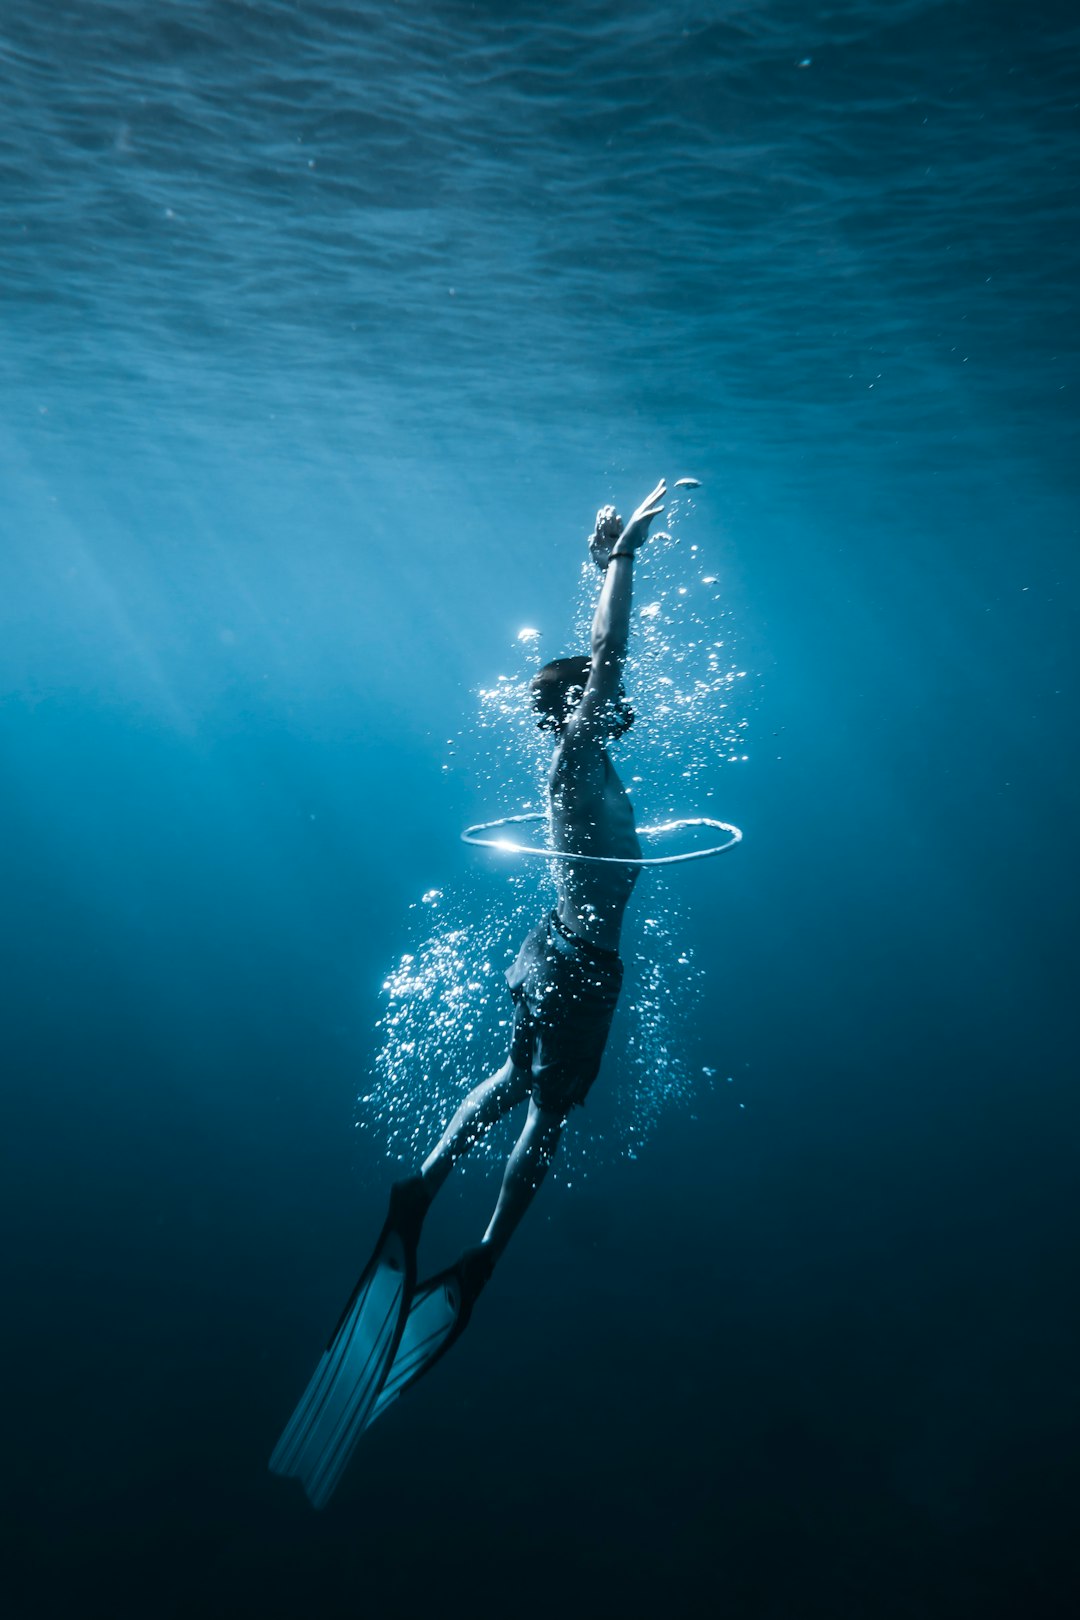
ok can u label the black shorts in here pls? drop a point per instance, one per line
(564, 992)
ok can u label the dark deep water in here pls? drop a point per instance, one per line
(326, 328)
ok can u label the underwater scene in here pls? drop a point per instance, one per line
(342, 346)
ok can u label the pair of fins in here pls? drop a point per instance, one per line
(391, 1332)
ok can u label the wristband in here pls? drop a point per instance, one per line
(629, 555)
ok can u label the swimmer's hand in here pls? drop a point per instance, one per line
(636, 532)
(608, 527)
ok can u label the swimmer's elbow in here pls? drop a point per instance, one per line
(609, 649)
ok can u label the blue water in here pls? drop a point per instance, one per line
(326, 329)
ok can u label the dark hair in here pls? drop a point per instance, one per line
(556, 690)
(552, 688)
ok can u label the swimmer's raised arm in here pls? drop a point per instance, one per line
(611, 621)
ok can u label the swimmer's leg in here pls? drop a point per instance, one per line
(484, 1105)
(525, 1169)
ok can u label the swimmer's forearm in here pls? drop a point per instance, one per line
(611, 621)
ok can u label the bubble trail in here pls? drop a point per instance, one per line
(446, 1021)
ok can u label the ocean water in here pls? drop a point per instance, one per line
(326, 329)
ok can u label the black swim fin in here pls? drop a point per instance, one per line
(438, 1315)
(320, 1436)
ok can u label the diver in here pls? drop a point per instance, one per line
(564, 986)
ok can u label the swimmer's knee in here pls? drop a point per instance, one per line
(513, 1081)
(549, 1120)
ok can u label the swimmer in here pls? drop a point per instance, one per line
(564, 985)
(567, 976)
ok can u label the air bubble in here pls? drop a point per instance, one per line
(444, 1017)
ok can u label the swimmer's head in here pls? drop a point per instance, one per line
(557, 690)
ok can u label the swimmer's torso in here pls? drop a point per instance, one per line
(592, 814)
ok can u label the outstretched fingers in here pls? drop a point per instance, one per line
(650, 506)
(637, 530)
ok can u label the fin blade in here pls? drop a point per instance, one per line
(436, 1317)
(319, 1438)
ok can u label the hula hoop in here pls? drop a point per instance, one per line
(471, 835)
